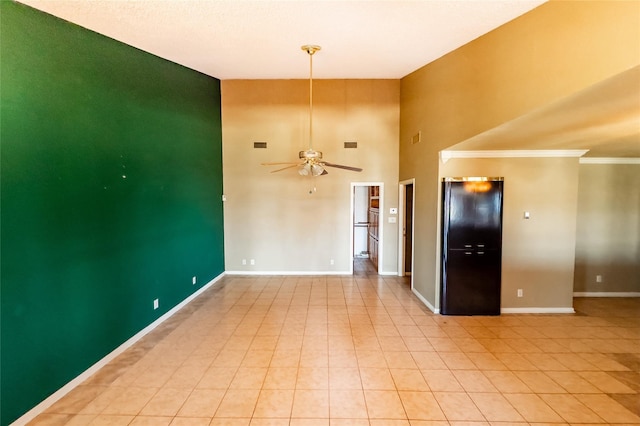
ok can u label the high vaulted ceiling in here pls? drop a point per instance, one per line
(603, 118)
(261, 39)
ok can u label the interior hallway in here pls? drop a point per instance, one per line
(362, 350)
(363, 267)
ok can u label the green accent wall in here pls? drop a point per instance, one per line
(111, 187)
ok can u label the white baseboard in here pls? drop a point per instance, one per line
(607, 294)
(288, 273)
(57, 395)
(425, 301)
(534, 310)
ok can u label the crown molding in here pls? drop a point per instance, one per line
(607, 160)
(536, 153)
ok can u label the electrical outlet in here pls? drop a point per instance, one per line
(331, 262)
(253, 261)
(156, 304)
(598, 278)
(194, 280)
(244, 261)
(519, 292)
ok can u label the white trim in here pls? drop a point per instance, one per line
(352, 210)
(60, 393)
(270, 273)
(539, 153)
(607, 294)
(288, 273)
(605, 160)
(401, 226)
(533, 310)
(380, 224)
(425, 301)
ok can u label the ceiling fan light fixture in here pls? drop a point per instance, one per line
(305, 169)
(316, 170)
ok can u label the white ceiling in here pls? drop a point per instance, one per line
(261, 39)
(603, 118)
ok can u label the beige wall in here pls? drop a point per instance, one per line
(608, 229)
(272, 218)
(537, 253)
(551, 52)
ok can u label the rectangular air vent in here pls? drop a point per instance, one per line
(416, 138)
(259, 144)
(351, 144)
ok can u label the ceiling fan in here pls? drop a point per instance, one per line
(311, 163)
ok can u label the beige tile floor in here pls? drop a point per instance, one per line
(362, 350)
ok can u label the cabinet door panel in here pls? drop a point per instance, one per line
(471, 283)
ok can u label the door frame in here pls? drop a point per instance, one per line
(402, 185)
(380, 223)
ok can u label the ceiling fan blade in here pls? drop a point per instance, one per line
(340, 166)
(277, 164)
(285, 168)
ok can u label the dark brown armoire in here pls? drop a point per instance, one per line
(471, 266)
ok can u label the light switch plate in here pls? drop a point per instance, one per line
(392, 220)
(393, 210)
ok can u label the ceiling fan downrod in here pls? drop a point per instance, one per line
(310, 49)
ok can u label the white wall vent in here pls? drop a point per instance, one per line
(416, 138)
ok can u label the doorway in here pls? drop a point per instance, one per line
(366, 228)
(406, 237)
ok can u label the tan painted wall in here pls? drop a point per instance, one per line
(272, 218)
(537, 253)
(608, 228)
(551, 52)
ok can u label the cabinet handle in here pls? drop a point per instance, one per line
(468, 245)
(481, 245)
(468, 252)
(480, 252)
